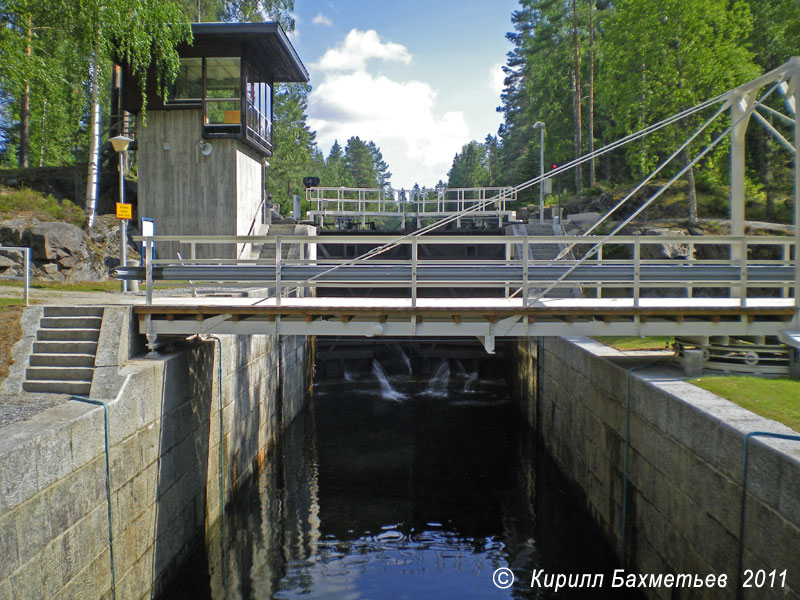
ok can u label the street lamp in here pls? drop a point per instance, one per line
(120, 144)
(540, 126)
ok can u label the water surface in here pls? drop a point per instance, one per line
(393, 487)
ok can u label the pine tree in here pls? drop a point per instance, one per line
(382, 174)
(469, 167)
(359, 163)
(334, 173)
(294, 144)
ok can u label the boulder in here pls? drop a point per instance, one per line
(7, 266)
(59, 251)
(674, 250)
(55, 240)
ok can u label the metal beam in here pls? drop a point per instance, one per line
(486, 332)
(775, 133)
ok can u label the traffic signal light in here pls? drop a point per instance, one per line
(553, 167)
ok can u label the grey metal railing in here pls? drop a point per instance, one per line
(363, 203)
(622, 264)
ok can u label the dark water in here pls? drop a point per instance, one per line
(418, 491)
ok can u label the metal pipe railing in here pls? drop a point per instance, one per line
(522, 272)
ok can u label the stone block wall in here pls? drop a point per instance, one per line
(684, 473)
(164, 436)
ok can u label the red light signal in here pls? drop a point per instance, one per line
(554, 166)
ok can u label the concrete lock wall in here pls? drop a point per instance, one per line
(164, 436)
(684, 472)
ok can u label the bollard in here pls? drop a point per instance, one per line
(693, 363)
(133, 284)
(794, 363)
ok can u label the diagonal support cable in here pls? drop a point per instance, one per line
(523, 186)
(639, 210)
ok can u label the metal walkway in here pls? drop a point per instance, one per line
(347, 207)
(497, 297)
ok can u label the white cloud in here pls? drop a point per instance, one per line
(321, 19)
(417, 138)
(496, 77)
(357, 48)
(400, 117)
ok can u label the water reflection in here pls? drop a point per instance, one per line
(424, 498)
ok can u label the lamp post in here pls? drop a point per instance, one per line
(120, 144)
(540, 126)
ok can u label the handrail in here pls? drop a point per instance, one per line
(780, 73)
(636, 273)
(26, 276)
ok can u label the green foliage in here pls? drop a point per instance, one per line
(382, 174)
(240, 11)
(334, 171)
(776, 31)
(48, 48)
(25, 201)
(360, 164)
(294, 145)
(681, 52)
(470, 167)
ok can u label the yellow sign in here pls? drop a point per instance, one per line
(124, 211)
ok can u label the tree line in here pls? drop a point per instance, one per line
(596, 70)
(55, 79)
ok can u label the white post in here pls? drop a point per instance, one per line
(637, 264)
(148, 267)
(525, 276)
(739, 108)
(414, 256)
(277, 271)
(541, 174)
(796, 95)
(27, 275)
(123, 225)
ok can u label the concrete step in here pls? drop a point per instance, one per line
(70, 322)
(64, 347)
(73, 311)
(62, 360)
(68, 335)
(58, 387)
(59, 374)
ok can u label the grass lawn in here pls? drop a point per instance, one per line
(636, 343)
(777, 399)
(83, 286)
(111, 285)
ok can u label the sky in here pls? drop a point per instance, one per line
(419, 78)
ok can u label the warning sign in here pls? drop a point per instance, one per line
(124, 211)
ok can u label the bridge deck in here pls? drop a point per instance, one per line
(485, 318)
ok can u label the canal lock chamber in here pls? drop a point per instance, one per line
(412, 472)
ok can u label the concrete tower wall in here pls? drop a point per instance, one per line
(188, 193)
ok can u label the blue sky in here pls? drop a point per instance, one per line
(420, 79)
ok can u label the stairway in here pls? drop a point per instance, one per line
(63, 355)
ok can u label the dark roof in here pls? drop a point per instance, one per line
(267, 38)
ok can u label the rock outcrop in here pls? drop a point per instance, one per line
(61, 251)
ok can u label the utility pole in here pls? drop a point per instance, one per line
(540, 126)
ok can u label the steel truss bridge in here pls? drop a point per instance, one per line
(751, 286)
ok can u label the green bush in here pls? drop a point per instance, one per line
(14, 202)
